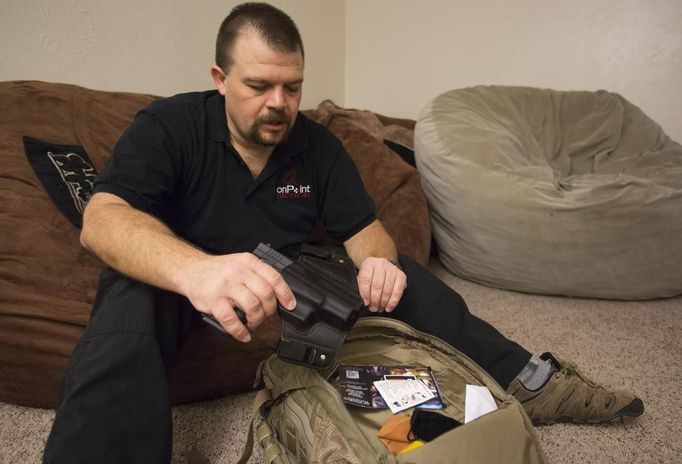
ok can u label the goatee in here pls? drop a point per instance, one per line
(273, 117)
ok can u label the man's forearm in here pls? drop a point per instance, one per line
(372, 241)
(145, 249)
(381, 283)
(136, 243)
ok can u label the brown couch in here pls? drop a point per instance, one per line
(48, 281)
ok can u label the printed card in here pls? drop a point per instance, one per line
(356, 384)
(403, 394)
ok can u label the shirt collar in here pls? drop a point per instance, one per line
(217, 128)
(217, 122)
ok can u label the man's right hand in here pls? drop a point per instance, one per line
(217, 285)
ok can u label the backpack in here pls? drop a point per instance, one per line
(304, 419)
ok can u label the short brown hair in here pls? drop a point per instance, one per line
(276, 28)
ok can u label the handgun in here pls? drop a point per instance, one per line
(327, 304)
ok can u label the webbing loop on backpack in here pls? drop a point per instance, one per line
(273, 452)
(263, 431)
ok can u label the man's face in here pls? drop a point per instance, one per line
(262, 90)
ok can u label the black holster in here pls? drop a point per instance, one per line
(328, 304)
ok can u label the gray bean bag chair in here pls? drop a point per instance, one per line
(542, 191)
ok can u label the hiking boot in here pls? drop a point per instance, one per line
(567, 396)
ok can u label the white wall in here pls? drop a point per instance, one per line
(160, 47)
(402, 53)
(390, 56)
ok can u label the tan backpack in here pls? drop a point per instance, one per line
(306, 421)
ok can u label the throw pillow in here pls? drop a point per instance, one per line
(406, 153)
(66, 173)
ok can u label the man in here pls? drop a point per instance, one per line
(189, 191)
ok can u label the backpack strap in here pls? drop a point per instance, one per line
(263, 397)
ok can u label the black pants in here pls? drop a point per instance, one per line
(114, 406)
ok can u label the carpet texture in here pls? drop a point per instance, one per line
(635, 346)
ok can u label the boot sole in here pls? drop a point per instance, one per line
(634, 409)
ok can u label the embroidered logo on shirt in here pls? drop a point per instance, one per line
(289, 188)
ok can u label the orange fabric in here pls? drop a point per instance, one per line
(394, 434)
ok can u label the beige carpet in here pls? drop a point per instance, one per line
(635, 346)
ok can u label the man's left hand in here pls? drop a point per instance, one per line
(381, 284)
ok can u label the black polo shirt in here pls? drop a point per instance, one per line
(176, 162)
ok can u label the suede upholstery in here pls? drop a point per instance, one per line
(48, 281)
(393, 184)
